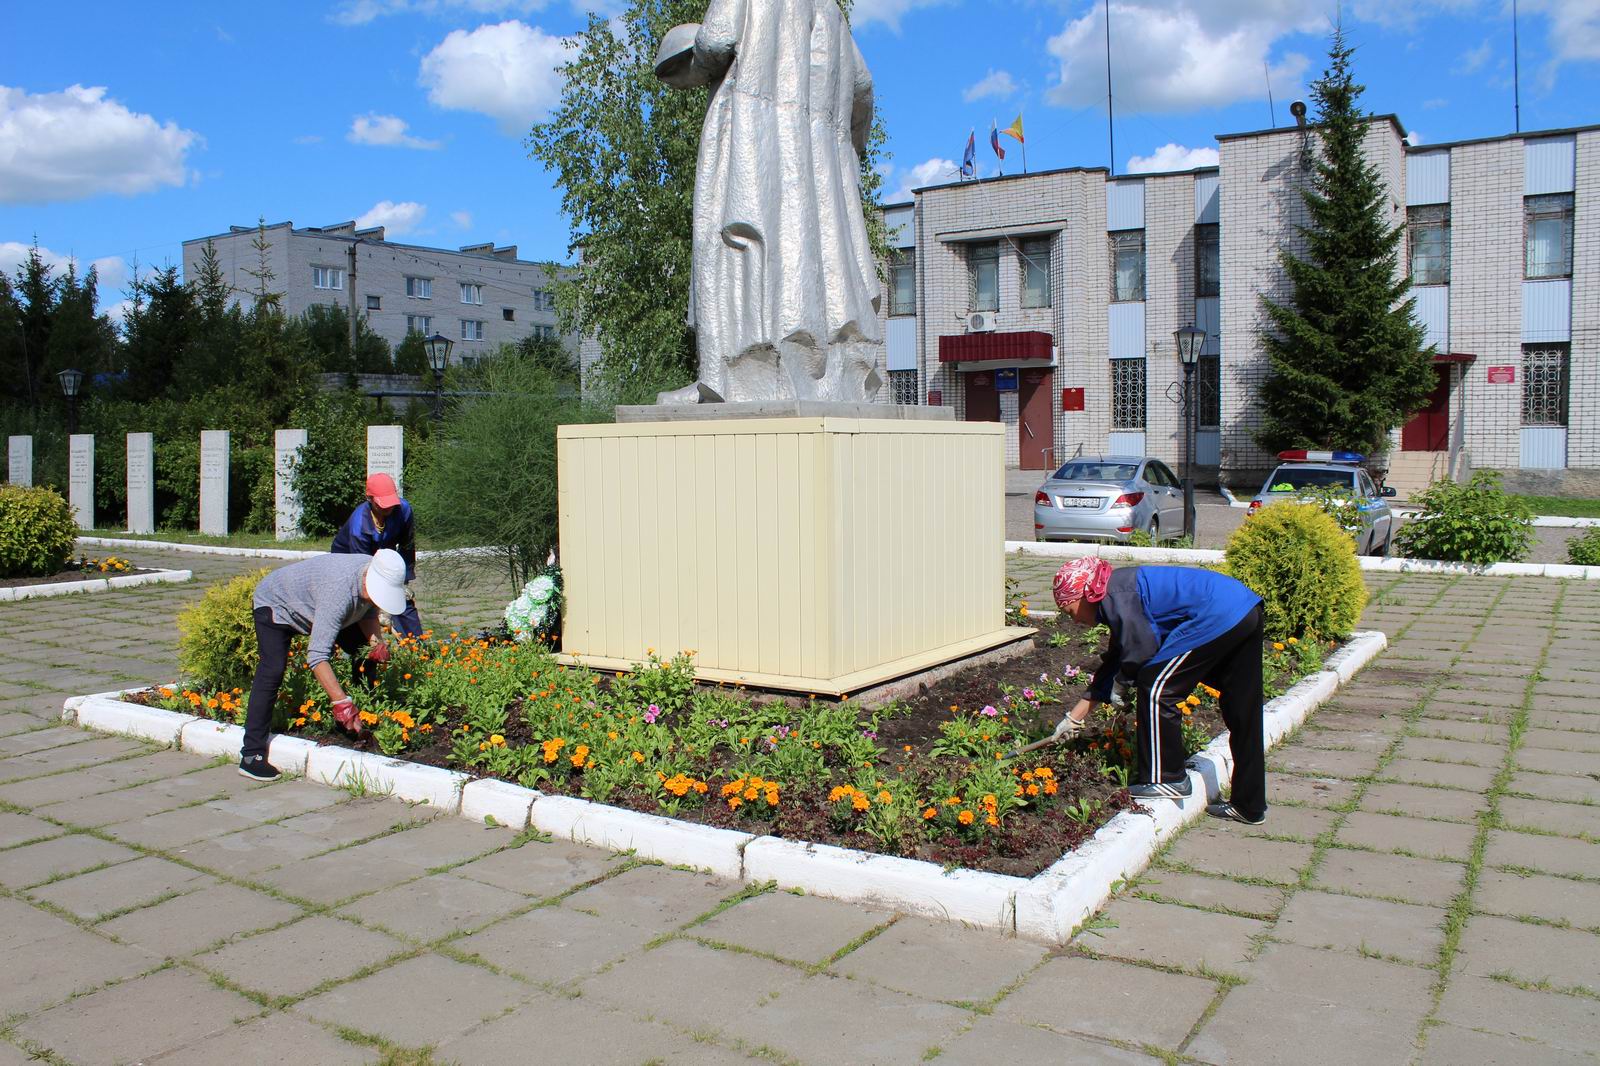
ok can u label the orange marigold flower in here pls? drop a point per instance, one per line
(991, 820)
(931, 812)
(884, 796)
(638, 756)
(965, 817)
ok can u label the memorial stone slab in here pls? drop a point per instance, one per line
(141, 483)
(287, 444)
(386, 452)
(214, 444)
(19, 456)
(80, 478)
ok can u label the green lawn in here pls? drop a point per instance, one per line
(1568, 506)
(232, 540)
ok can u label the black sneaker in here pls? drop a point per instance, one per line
(1232, 813)
(1162, 790)
(257, 768)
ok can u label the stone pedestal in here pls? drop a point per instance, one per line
(286, 452)
(812, 554)
(386, 447)
(214, 481)
(19, 461)
(141, 483)
(80, 478)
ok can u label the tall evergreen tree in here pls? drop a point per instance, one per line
(1347, 359)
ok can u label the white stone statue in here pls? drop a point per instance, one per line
(784, 295)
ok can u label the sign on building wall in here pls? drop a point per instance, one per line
(1005, 380)
(1072, 399)
(1502, 375)
(935, 397)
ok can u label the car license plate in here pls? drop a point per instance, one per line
(1078, 501)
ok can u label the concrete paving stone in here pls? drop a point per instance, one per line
(699, 988)
(285, 799)
(1350, 923)
(1548, 761)
(97, 779)
(199, 920)
(41, 740)
(1334, 718)
(1334, 739)
(115, 888)
(1577, 705)
(554, 945)
(1555, 855)
(1473, 732)
(652, 897)
(1555, 899)
(137, 1020)
(806, 929)
(1335, 978)
(336, 877)
(1565, 720)
(22, 924)
(453, 998)
(122, 805)
(1471, 708)
(541, 869)
(1447, 775)
(270, 1041)
(435, 906)
(1170, 935)
(1298, 823)
(1202, 891)
(12, 722)
(1450, 1045)
(833, 1019)
(1309, 791)
(20, 828)
(1399, 877)
(1561, 787)
(252, 851)
(1561, 740)
(299, 957)
(1564, 689)
(1566, 958)
(1568, 1022)
(1110, 999)
(1568, 819)
(442, 842)
(1317, 763)
(33, 864)
(47, 970)
(1236, 855)
(937, 960)
(1415, 836)
(1423, 802)
(1257, 1024)
(357, 819)
(71, 757)
(1512, 687)
(1453, 751)
(171, 830)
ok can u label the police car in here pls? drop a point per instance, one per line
(1299, 470)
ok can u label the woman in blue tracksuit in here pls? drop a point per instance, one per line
(1173, 628)
(384, 521)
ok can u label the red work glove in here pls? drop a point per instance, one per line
(378, 653)
(345, 713)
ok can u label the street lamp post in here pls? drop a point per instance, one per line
(71, 380)
(1190, 340)
(438, 347)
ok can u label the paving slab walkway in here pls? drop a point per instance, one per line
(1426, 889)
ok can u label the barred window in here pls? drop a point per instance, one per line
(903, 282)
(903, 387)
(1034, 258)
(1208, 381)
(1428, 229)
(1207, 261)
(1127, 394)
(1546, 378)
(983, 266)
(1547, 235)
(1127, 265)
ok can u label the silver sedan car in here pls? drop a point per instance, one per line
(1109, 498)
(1377, 524)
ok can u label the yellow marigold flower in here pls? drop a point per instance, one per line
(931, 812)
(952, 801)
(1277, 645)
(965, 817)
(638, 756)
(1044, 771)
(991, 820)
(611, 735)
(884, 796)
(1294, 640)
(860, 802)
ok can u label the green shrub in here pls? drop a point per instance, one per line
(37, 531)
(217, 635)
(1472, 523)
(1584, 550)
(330, 474)
(1303, 566)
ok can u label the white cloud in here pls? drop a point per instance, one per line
(386, 130)
(111, 272)
(935, 171)
(996, 83)
(361, 12)
(1574, 31)
(76, 143)
(1172, 157)
(888, 12)
(1472, 60)
(506, 71)
(463, 219)
(397, 219)
(1414, 137)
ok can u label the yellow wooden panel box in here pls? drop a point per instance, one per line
(811, 554)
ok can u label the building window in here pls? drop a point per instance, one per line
(509, 314)
(903, 282)
(1035, 261)
(544, 300)
(422, 324)
(374, 303)
(1548, 235)
(1127, 394)
(471, 329)
(983, 276)
(327, 278)
(1127, 265)
(903, 387)
(544, 333)
(1429, 229)
(419, 288)
(471, 294)
(1207, 261)
(1546, 377)
(1208, 380)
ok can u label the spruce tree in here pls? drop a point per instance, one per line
(1347, 359)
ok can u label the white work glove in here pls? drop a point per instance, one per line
(1119, 696)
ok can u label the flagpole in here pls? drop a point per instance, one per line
(1024, 144)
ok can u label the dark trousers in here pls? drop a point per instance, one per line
(1230, 663)
(272, 641)
(408, 623)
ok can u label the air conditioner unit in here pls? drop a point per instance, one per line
(981, 322)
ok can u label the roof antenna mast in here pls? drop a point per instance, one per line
(1111, 124)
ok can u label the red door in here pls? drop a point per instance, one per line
(1036, 433)
(983, 402)
(1429, 428)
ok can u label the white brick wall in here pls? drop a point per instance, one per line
(1583, 426)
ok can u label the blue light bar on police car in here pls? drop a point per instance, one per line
(1300, 455)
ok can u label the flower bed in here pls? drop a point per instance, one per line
(87, 574)
(924, 778)
(84, 568)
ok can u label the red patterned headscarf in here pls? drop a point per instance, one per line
(1083, 578)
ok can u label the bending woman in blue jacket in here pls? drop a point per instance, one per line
(1173, 628)
(384, 521)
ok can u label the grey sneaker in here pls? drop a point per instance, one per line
(1172, 790)
(257, 768)
(1232, 813)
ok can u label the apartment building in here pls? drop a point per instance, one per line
(479, 296)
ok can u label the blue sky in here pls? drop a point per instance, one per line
(148, 124)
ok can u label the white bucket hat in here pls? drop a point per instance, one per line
(386, 581)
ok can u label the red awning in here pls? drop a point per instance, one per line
(1453, 357)
(982, 347)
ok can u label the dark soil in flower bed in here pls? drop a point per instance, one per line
(71, 573)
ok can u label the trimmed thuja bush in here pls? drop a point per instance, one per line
(1585, 550)
(217, 635)
(1472, 523)
(37, 531)
(1303, 566)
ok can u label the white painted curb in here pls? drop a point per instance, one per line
(343, 768)
(205, 737)
(290, 754)
(506, 803)
(94, 584)
(650, 835)
(198, 549)
(1559, 521)
(147, 723)
(1124, 553)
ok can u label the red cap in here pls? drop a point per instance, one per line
(381, 488)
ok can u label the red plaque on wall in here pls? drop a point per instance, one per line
(935, 397)
(1503, 375)
(1072, 399)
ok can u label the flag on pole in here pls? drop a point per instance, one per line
(994, 139)
(1014, 130)
(969, 167)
